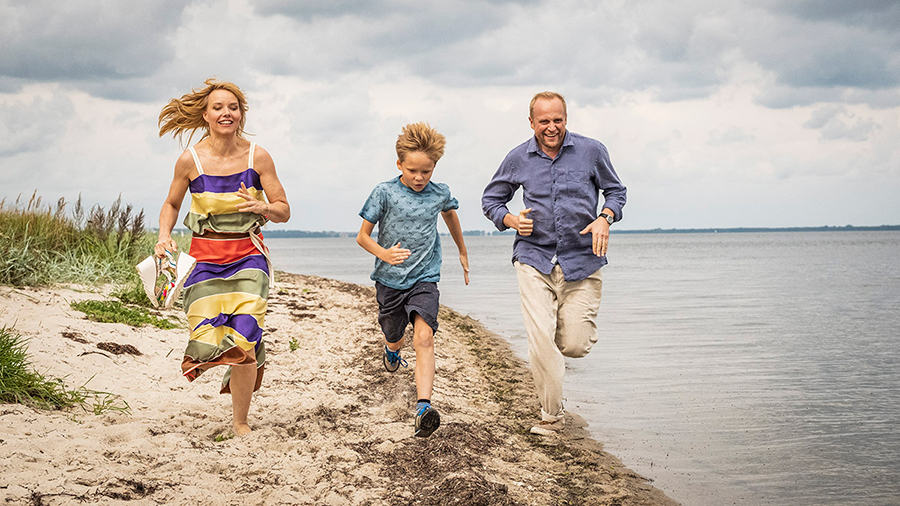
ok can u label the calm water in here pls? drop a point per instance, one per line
(731, 368)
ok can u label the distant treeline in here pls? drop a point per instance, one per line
(290, 234)
(846, 228)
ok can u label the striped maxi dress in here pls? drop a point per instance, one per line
(225, 295)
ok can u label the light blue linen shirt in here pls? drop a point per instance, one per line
(563, 193)
(409, 217)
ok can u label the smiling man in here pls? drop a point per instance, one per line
(560, 244)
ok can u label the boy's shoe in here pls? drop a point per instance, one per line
(427, 421)
(547, 428)
(392, 360)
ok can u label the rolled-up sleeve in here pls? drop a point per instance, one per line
(614, 192)
(498, 193)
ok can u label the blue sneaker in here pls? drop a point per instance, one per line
(392, 360)
(427, 421)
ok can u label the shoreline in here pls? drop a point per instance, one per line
(330, 425)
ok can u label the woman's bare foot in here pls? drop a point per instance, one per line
(242, 429)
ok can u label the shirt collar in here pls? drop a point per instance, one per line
(534, 148)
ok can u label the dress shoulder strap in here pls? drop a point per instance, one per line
(252, 150)
(196, 160)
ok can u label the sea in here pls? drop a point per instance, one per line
(731, 368)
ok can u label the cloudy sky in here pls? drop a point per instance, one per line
(734, 113)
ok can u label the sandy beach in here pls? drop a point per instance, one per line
(331, 426)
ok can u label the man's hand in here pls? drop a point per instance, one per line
(521, 223)
(526, 224)
(599, 230)
(395, 254)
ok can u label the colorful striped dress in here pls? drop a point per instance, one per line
(225, 295)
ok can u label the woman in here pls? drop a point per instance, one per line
(225, 295)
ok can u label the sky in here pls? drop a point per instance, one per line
(716, 113)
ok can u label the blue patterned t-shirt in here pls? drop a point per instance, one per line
(409, 217)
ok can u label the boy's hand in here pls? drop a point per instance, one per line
(464, 260)
(395, 254)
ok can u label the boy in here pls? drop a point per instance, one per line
(408, 257)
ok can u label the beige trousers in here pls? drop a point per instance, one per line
(560, 319)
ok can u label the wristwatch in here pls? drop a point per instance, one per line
(609, 219)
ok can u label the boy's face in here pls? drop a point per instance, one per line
(416, 170)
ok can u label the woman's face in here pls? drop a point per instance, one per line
(223, 112)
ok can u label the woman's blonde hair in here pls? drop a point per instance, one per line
(185, 114)
(422, 138)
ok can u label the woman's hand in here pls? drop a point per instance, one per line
(163, 245)
(252, 205)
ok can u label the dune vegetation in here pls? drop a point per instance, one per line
(43, 245)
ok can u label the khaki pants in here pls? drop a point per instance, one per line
(560, 321)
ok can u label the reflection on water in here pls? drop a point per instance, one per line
(731, 368)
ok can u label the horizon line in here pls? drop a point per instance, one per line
(658, 230)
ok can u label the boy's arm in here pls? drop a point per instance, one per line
(452, 221)
(395, 255)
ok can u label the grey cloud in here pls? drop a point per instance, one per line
(878, 14)
(48, 40)
(835, 122)
(823, 115)
(309, 10)
(860, 129)
(729, 135)
(824, 49)
(452, 43)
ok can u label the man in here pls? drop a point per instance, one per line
(561, 242)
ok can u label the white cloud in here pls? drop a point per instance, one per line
(715, 114)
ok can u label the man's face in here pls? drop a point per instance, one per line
(549, 124)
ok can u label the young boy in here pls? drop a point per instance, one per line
(408, 257)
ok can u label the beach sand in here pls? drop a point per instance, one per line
(331, 426)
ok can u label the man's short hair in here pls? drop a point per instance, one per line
(422, 138)
(546, 95)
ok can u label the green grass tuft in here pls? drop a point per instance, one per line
(41, 245)
(113, 311)
(19, 383)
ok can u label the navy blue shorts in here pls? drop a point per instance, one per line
(397, 308)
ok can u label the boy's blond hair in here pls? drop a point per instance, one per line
(546, 95)
(185, 114)
(422, 138)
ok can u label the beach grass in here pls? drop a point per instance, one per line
(113, 311)
(20, 383)
(42, 245)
